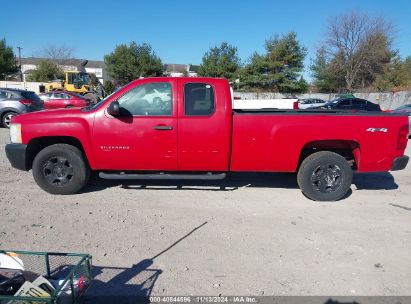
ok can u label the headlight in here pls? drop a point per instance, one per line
(15, 133)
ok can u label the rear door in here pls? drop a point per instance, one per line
(204, 125)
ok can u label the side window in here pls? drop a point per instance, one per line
(371, 107)
(344, 104)
(198, 99)
(357, 104)
(151, 99)
(3, 95)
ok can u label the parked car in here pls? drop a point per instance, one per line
(16, 101)
(344, 95)
(351, 104)
(405, 109)
(157, 95)
(57, 100)
(200, 136)
(307, 103)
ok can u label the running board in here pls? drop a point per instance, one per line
(169, 176)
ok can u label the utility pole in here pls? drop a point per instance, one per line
(21, 73)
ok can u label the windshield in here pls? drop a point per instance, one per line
(95, 106)
(78, 78)
(83, 78)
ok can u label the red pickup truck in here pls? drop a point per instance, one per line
(185, 128)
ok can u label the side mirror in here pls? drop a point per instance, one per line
(114, 108)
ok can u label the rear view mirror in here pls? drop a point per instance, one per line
(114, 108)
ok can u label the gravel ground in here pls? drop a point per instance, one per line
(253, 234)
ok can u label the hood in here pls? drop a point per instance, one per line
(38, 116)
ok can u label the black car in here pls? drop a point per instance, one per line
(351, 104)
(16, 101)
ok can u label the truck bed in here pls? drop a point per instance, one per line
(272, 139)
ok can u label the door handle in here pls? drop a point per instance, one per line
(163, 128)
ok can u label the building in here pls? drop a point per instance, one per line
(93, 66)
(180, 70)
(99, 68)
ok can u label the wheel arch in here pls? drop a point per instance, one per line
(7, 110)
(349, 149)
(35, 145)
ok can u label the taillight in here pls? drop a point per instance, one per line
(27, 102)
(295, 105)
(403, 138)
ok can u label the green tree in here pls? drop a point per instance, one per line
(323, 71)
(46, 70)
(8, 63)
(109, 87)
(279, 69)
(395, 76)
(129, 62)
(407, 64)
(357, 48)
(220, 61)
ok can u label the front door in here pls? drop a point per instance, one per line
(144, 135)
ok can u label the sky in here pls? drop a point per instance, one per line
(182, 31)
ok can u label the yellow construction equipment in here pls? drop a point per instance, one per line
(79, 82)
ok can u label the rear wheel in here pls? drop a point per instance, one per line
(60, 169)
(325, 176)
(6, 118)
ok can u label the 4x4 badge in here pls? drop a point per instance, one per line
(385, 130)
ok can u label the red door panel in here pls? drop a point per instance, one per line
(204, 133)
(138, 142)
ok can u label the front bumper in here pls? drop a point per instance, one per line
(16, 153)
(399, 163)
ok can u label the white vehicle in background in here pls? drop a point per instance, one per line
(157, 95)
(255, 104)
(307, 103)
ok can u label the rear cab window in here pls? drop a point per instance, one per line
(199, 99)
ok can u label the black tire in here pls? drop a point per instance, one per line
(325, 176)
(6, 118)
(60, 169)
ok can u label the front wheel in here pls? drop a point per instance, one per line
(325, 176)
(60, 169)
